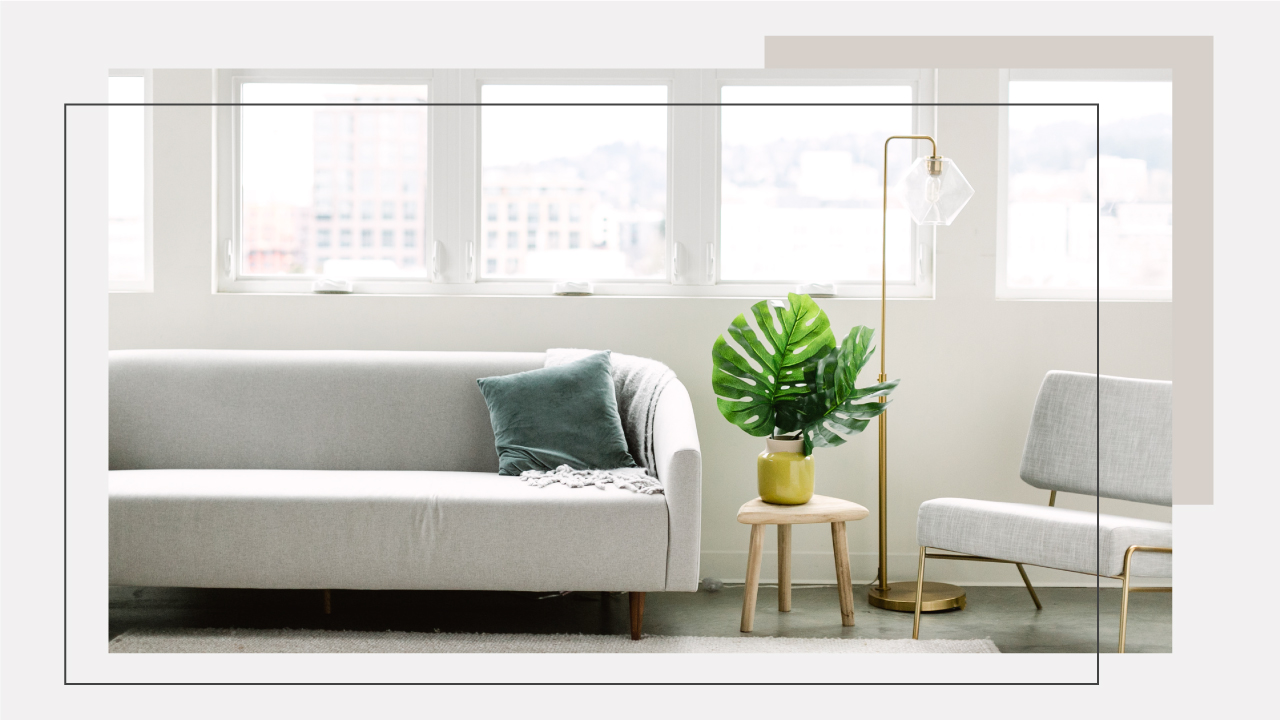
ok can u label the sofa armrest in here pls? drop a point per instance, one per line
(679, 466)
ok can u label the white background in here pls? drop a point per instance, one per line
(59, 52)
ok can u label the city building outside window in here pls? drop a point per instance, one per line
(388, 238)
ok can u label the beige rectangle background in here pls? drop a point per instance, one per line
(1191, 60)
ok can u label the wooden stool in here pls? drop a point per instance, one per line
(819, 509)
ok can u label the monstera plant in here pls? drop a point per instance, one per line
(790, 379)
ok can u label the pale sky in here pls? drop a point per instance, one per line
(125, 153)
(514, 135)
(759, 125)
(1116, 101)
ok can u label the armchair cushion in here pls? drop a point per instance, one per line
(1046, 536)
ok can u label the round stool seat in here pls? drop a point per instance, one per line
(819, 509)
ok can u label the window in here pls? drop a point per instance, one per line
(128, 191)
(1056, 240)
(566, 176)
(295, 169)
(800, 187)
(611, 160)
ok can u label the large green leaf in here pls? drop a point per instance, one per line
(779, 363)
(837, 409)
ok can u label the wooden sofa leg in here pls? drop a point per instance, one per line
(637, 613)
(328, 605)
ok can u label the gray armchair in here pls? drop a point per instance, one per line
(1128, 456)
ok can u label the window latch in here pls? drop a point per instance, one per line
(436, 252)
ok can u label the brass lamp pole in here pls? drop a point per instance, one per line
(934, 192)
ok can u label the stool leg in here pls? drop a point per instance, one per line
(784, 568)
(753, 578)
(841, 546)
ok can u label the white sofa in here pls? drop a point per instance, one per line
(370, 470)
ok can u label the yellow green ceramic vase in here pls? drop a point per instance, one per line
(784, 473)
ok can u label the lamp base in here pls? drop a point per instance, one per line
(901, 596)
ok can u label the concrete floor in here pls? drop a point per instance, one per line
(1068, 623)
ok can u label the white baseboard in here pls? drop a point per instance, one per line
(819, 568)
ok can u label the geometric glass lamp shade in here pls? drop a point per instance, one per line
(933, 198)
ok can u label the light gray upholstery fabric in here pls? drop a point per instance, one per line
(679, 466)
(1041, 535)
(380, 530)
(1135, 461)
(226, 474)
(304, 410)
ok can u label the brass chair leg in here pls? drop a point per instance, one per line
(1124, 598)
(1030, 589)
(915, 628)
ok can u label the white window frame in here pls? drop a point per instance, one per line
(227, 124)
(147, 283)
(1104, 294)
(454, 208)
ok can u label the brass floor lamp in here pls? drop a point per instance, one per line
(934, 192)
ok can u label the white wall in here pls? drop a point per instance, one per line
(970, 365)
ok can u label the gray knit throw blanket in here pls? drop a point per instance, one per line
(638, 384)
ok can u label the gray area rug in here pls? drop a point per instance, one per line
(232, 640)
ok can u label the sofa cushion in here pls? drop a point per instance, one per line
(380, 530)
(1042, 535)
(561, 415)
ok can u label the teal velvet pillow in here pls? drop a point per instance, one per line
(561, 415)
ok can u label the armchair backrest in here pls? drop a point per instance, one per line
(1125, 454)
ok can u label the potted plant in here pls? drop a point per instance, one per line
(785, 378)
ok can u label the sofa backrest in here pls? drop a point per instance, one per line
(304, 409)
(1127, 454)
